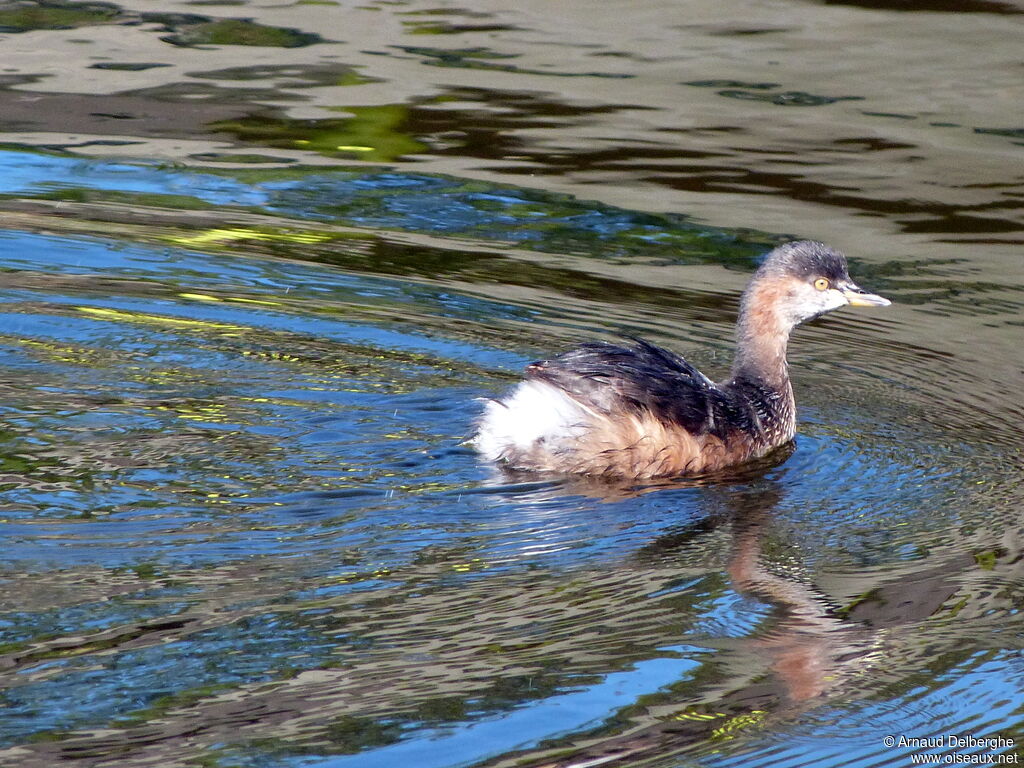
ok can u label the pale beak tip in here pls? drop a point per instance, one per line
(860, 298)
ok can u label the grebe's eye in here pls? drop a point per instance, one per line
(822, 284)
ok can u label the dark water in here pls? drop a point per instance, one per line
(258, 263)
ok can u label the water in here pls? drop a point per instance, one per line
(256, 273)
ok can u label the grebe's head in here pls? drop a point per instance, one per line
(806, 279)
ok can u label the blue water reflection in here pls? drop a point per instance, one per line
(254, 468)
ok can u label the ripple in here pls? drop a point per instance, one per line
(208, 448)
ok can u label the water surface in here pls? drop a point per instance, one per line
(258, 264)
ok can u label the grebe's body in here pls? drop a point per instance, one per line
(637, 411)
(641, 411)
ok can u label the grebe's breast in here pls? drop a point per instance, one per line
(639, 411)
(772, 408)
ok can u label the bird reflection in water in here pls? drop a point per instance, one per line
(810, 647)
(811, 650)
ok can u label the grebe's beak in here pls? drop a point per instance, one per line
(858, 297)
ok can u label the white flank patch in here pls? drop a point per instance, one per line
(532, 411)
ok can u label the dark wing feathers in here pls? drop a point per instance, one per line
(609, 378)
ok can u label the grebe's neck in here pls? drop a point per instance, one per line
(762, 336)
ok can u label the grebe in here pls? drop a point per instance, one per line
(641, 411)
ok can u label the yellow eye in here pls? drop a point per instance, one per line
(822, 284)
